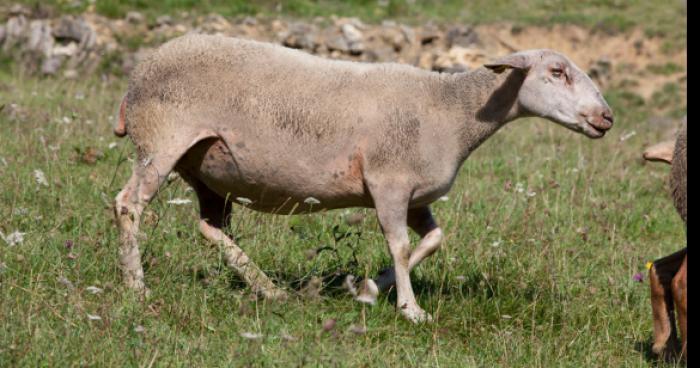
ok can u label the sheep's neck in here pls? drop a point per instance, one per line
(485, 102)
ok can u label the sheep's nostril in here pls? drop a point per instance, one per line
(608, 116)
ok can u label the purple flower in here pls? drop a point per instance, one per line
(639, 277)
(69, 244)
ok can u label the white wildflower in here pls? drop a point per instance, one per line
(444, 198)
(40, 178)
(243, 200)
(519, 187)
(112, 145)
(4, 162)
(531, 193)
(505, 316)
(312, 200)
(628, 136)
(14, 238)
(94, 317)
(20, 211)
(66, 120)
(139, 329)
(93, 290)
(251, 335)
(497, 243)
(461, 278)
(179, 201)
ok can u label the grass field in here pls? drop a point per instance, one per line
(539, 279)
(545, 230)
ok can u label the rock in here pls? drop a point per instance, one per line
(429, 34)
(300, 36)
(351, 33)
(19, 10)
(379, 54)
(71, 29)
(65, 50)
(408, 33)
(15, 30)
(164, 20)
(134, 17)
(394, 37)
(40, 39)
(216, 23)
(426, 60)
(354, 37)
(249, 21)
(357, 48)
(462, 36)
(338, 43)
(51, 65)
(460, 57)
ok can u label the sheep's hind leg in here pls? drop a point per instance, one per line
(215, 214)
(146, 178)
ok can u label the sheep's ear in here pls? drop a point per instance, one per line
(512, 61)
(662, 152)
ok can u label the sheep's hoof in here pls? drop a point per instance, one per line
(368, 292)
(416, 315)
(658, 349)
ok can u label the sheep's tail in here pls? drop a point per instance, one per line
(120, 127)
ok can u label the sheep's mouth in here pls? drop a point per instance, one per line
(593, 128)
(592, 131)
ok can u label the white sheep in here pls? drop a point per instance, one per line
(244, 119)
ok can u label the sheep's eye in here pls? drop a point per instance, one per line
(557, 73)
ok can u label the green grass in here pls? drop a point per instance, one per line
(521, 281)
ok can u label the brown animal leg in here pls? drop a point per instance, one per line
(215, 213)
(662, 310)
(679, 288)
(147, 176)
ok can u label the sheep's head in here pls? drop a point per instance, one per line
(556, 89)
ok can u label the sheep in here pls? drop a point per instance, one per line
(281, 131)
(668, 275)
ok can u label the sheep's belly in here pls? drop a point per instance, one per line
(270, 185)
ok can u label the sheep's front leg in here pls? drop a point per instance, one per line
(422, 222)
(392, 208)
